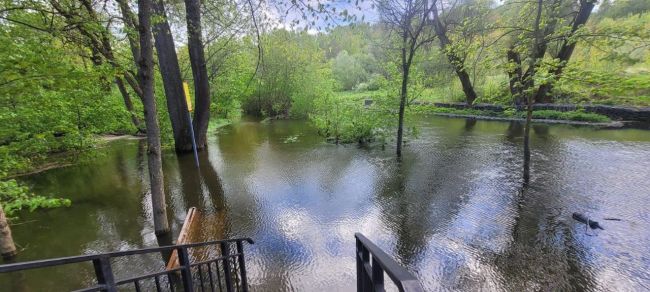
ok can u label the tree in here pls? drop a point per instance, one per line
(348, 70)
(622, 8)
(199, 72)
(96, 37)
(566, 50)
(7, 246)
(535, 47)
(407, 19)
(560, 27)
(172, 81)
(455, 57)
(154, 155)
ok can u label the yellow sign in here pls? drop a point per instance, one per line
(188, 99)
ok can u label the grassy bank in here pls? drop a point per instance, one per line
(579, 116)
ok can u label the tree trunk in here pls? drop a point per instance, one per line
(154, 157)
(468, 89)
(172, 81)
(129, 104)
(199, 72)
(529, 117)
(7, 246)
(403, 96)
(456, 62)
(514, 76)
(565, 52)
(529, 95)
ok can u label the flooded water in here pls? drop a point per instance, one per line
(452, 211)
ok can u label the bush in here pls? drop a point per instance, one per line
(376, 82)
(343, 118)
(15, 197)
(348, 70)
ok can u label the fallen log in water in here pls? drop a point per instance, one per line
(585, 220)
(183, 237)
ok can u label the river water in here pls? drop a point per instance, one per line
(452, 210)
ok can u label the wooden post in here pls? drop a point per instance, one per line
(7, 246)
(183, 237)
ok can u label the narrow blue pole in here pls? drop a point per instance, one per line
(196, 154)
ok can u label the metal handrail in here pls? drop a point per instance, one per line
(84, 258)
(232, 264)
(370, 277)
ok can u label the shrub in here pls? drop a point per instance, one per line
(15, 197)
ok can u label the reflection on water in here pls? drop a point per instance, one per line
(452, 210)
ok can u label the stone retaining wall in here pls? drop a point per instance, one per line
(614, 112)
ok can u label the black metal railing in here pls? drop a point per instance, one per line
(226, 271)
(370, 273)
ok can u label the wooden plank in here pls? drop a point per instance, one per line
(183, 237)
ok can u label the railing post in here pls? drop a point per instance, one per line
(377, 276)
(359, 265)
(186, 271)
(104, 273)
(242, 266)
(364, 282)
(225, 252)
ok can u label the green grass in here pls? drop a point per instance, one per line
(216, 123)
(540, 114)
(431, 96)
(571, 116)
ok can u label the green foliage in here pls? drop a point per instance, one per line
(348, 71)
(231, 85)
(15, 197)
(343, 117)
(292, 75)
(622, 8)
(49, 101)
(455, 111)
(570, 116)
(512, 113)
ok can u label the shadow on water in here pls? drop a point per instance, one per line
(547, 240)
(542, 231)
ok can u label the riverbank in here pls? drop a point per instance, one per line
(544, 113)
(607, 125)
(71, 157)
(590, 113)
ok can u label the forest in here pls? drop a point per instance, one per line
(74, 70)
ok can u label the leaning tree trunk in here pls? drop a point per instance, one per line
(565, 52)
(172, 81)
(468, 89)
(129, 104)
(199, 72)
(7, 246)
(456, 62)
(154, 157)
